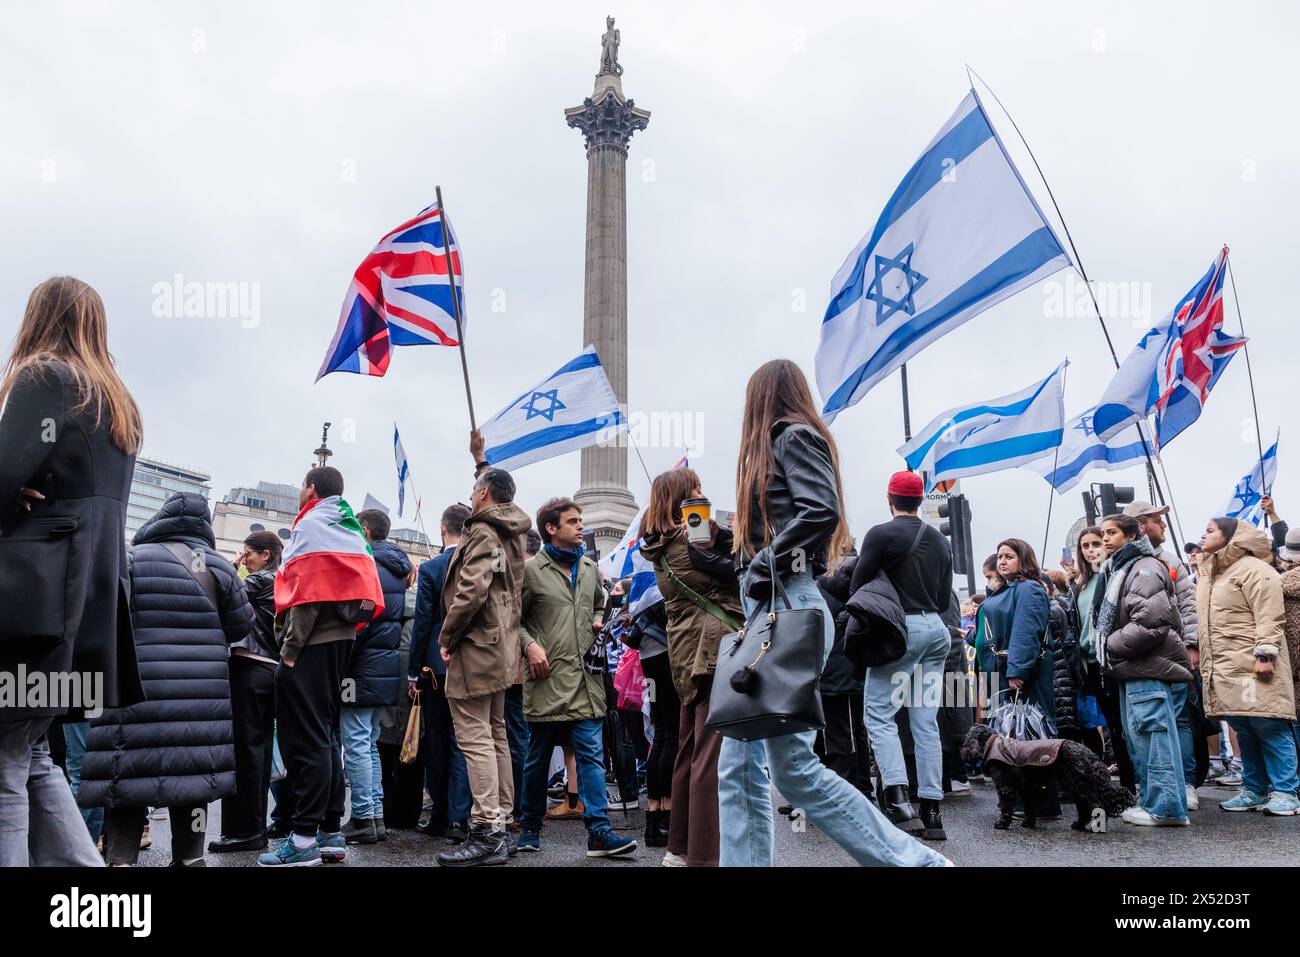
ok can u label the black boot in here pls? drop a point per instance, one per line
(481, 847)
(665, 818)
(899, 809)
(652, 828)
(931, 820)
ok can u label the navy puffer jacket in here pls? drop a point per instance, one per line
(177, 746)
(375, 669)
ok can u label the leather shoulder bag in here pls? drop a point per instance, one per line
(767, 678)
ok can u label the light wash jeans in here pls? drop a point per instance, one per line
(827, 801)
(1268, 754)
(359, 728)
(1149, 709)
(74, 741)
(40, 823)
(915, 680)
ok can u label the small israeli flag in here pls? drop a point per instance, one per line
(403, 470)
(1082, 451)
(625, 560)
(571, 409)
(991, 436)
(1244, 505)
(960, 234)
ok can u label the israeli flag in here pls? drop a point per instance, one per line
(403, 470)
(1082, 451)
(1244, 505)
(571, 409)
(625, 560)
(991, 436)
(960, 234)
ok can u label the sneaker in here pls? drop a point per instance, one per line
(333, 847)
(1281, 804)
(976, 778)
(361, 830)
(1193, 799)
(1245, 801)
(529, 841)
(481, 847)
(286, 855)
(959, 789)
(562, 812)
(1230, 779)
(1136, 815)
(616, 802)
(673, 860)
(608, 844)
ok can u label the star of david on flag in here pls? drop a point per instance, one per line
(1244, 505)
(1082, 451)
(960, 234)
(570, 409)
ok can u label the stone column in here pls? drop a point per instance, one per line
(607, 122)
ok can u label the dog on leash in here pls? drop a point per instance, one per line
(1077, 771)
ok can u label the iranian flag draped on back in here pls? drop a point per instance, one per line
(327, 559)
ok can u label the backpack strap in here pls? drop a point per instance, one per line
(206, 579)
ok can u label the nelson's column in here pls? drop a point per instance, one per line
(607, 122)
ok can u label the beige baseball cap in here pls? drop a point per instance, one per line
(1144, 509)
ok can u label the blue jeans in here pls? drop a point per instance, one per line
(585, 737)
(1149, 710)
(827, 801)
(74, 740)
(915, 680)
(360, 730)
(1268, 754)
(1185, 742)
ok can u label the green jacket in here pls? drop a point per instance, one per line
(564, 621)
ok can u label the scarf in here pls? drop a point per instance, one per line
(1110, 584)
(567, 556)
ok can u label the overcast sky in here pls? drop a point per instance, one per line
(273, 145)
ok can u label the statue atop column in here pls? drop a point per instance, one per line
(609, 50)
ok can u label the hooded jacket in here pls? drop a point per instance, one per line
(481, 599)
(375, 668)
(177, 746)
(1240, 610)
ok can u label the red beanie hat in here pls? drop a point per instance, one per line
(907, 484)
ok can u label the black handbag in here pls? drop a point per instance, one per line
(767, 678)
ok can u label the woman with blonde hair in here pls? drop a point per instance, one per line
(69, 431)
(789, 525)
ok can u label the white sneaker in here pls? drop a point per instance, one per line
(960, 789)
(673, 860)
(1140, 817)
(1230, 780)
(1193, 800)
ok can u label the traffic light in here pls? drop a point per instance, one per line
(955, 526)
(1105, 499)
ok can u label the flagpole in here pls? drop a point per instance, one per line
(1078, 264)
(1259, 439)
(410, 480)
(907, 408)
(639, 459)
(455, 306)
(1051, 487)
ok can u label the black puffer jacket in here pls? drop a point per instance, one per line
(176, 747)
(1065, 657)
(839, 676)
(375, 669)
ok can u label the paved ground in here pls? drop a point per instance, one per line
(1215, 838)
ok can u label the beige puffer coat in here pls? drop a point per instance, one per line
(1239, 609)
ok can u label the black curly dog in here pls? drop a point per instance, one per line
(1077, 772)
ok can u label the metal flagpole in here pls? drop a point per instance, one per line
(907, 408)
(1051, 489)
(1078, 262)
(455, 305)
(1250, 377)
(639, 459)
(419, 522)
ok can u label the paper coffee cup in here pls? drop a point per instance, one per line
(695, 513)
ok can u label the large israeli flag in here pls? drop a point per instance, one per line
(1082, 451)
(1244, 505)
(625, 560)
(571, 409)
(991, 436)
(960, 233)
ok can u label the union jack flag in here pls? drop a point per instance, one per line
(400, 295)
(1195, 354)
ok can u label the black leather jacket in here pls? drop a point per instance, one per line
(803, 510)
(260, 587)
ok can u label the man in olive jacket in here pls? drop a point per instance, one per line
(479, 642)
(564, 691)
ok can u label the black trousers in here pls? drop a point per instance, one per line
(665, 715)
(252, 706)
(307, 707)
(435, 749)
(124, 826)
(403, 786)
(848, 752)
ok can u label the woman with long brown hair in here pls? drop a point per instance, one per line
(690, 577)
(69, 432)
(790, 525)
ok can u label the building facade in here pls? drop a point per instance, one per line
(153, 482)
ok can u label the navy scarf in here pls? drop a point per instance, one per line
(567, 556)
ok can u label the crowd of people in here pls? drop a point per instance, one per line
(283, 684)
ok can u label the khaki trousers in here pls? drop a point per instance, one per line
(480, 725)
